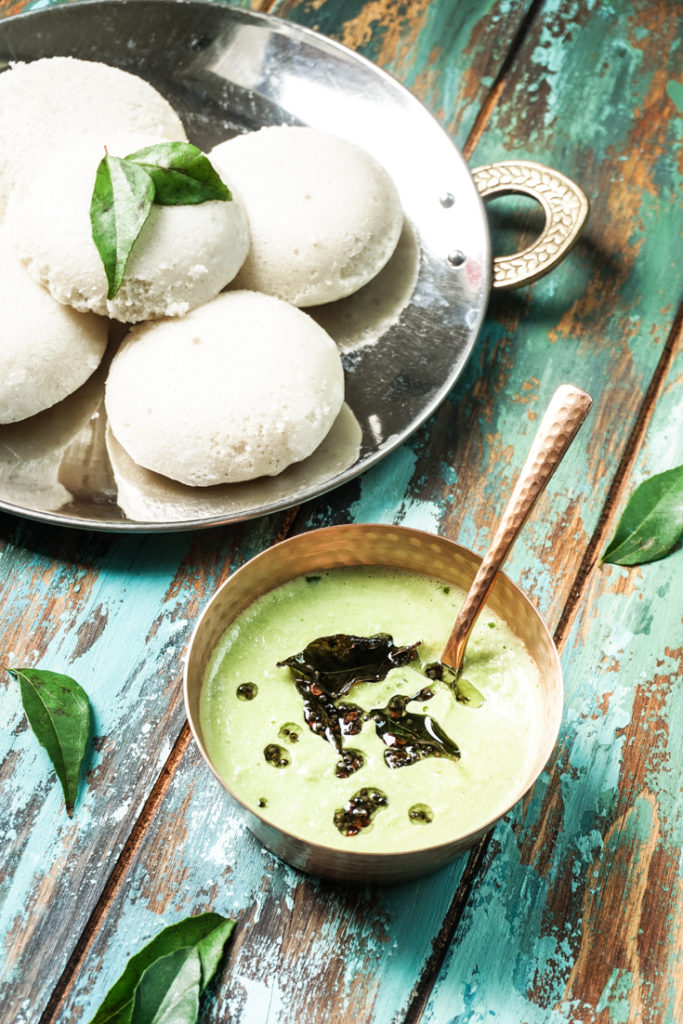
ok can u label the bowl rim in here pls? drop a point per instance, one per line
(545, 748)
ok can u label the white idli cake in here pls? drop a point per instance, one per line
(182, 258)
(324, 215)
(239, 388)
(46, 350)
(49, 101)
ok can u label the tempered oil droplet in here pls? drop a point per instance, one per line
(351, 761)
(358, 812)
(276, 755)
(421, 814)
(289, 732)
(247, 691)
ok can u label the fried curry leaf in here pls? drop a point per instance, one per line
(335, 663)
(205, 933)
(652, 522)
(120, 205)
(182, 174)
(409, 737)
(58, 711)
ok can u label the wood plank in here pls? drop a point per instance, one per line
(448, 55)
(114, 612)
(600, 320)
(597, 935)
(281, 966)
(595, 853)
(286, 962)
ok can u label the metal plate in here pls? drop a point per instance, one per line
(405, 337)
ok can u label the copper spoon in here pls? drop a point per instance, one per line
(566, 412)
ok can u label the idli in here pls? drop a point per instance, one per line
(324, 215)
(46, 350)
(50, 101)
(239, 388)
(183, 256)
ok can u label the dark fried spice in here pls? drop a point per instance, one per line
(421, 814)
(359, 812)
(276, 755)
(325, 671)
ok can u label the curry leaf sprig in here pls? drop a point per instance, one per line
(126, 188)
(58, 711)
(652, 522)
(163, 982)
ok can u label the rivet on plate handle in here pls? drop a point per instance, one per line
(565, 207)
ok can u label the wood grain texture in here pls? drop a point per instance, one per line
(297, 939)
(597, 935)
(115, 613)
(592, 90)
(449, 55)
(277, 972)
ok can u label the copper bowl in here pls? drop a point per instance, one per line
(394, 547)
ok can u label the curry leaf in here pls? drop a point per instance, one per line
(120, 205)
(206, 933)
(336, 662)
(652, 522)
(182, 174)
(58, 711)
(168, 174)
(168, 992)
(409, 737)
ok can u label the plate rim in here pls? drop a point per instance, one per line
(393, 442)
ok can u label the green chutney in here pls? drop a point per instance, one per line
(257, 738)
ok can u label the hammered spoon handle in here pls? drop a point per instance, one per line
(566, 412)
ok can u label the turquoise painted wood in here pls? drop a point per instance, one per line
(525, 921)
(382, 495)
(92, 596)
(116, 614)
(595, 854)
(577, 913)
(448, 55)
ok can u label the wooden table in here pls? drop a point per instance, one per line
(570, 910)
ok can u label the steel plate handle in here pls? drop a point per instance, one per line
(565, 207)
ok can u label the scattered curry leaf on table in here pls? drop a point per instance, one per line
(126, 188)
(206, 934)
(58, 711)
(652, 522)
(169, 990)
